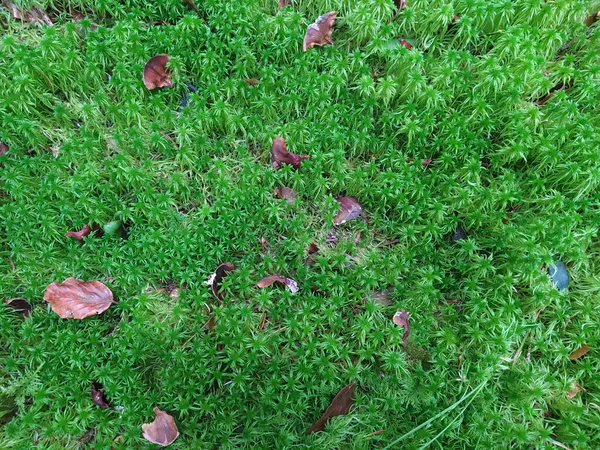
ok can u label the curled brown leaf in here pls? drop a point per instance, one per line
(275, 278)
(20, 305)
(286, 193)
(319, 32)
(251, 81)
(215, 278)
(155, 72)
(77, 299)
(162, 431)
(581, 351)
(97, 393)
(349, 209)
(85, 231)
(574, 389)
(339, 406)
(401, 319)
(279, 155)
(33, 15)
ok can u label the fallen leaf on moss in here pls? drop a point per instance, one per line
(350, 209)
(33, 15)
(574, 389)
(215, 278)
(251, 81)
(581, 351)
(77, 299)
(383, 298)
(162, 431)
(3, 148)
(319, 32)
(407, 45)
(156, 74)
(279, 155)
(20, 305)
(286, 193)
(401, 319)
(591, 19)
(97, 394)
(311, 252)
(400, 3)
(85, 231)
(339, 406)
(284, 3)
(275, 278)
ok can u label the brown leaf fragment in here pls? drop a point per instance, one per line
(375, 433)
(407, 45)
(3, 148)
(581, 351)
(319, 32)
(251, 81)
(350, 209)
(155, 72)
(400, 4)
(340, 405)
(97, 393)
(84, 232)
(591, 19)
(284, 3)
(33, 15)
(383, 298)
(77, 299)
(401, 319)
(279, 155)
(162, 431)
(19, 305)
(311, 252)
(574, 389)
(275, 278)
(215, 278)
(286, 193)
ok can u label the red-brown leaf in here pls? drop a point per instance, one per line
(581, 351)
(350, 209)
(339, 406)
(155, 72)
(19, 305)
(275, 278)
(85, 231)
(400, 3)
(401, 319)
(97, 394)
(311, 251)
(251, 81)
(77, 299)
(591, 19)
(214, 281)
(279, 155)
(3, 148)
(284, 3)
(574, 389)
(162, 431)
(319, 32)
(405, 43)
(286, 193)
(34, 14)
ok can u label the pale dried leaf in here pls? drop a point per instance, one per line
(319, 32)
(275, 278)
(77, 299)
(581, 351)
(349, 209)
(162, 431)
(574, 389)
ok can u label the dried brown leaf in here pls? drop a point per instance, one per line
(19, 305)
(33, 15)
(407, 45)
(284, 3)
(251, 81)
(162, 431)
(383, 297)
(279, 155)
(85, 231)
(286, 193)
(215, 278)
(574, 389)
(97, 393)
(350, 209)
(3, 148)
(401, 319)
(275, 278)
(400, 3)
(77, 299)
(339, 406)
(311, 252)
(581, 351)
(319, 32)
(591, 19)
(155, 72)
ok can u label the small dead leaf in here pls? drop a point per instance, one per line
(162, 431)
(350, 209)
(251, 81)
(383, 298)
(275, 278)
(33, 15)
(156, 74)
(97, 393)
(20, 305)
(591, 19)
(3, 148)
(77, 299)
(574, 389)
(581, 351)
(214, 280)
(400, 3)
(319, 32)
(287, 193)
(311, 251)
(284, 3)
(375, 433)
(401, 319)
(84, 232)
(279, 155)
(339, 406)
(407, 45)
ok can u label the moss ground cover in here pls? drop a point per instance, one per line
(474, 155)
